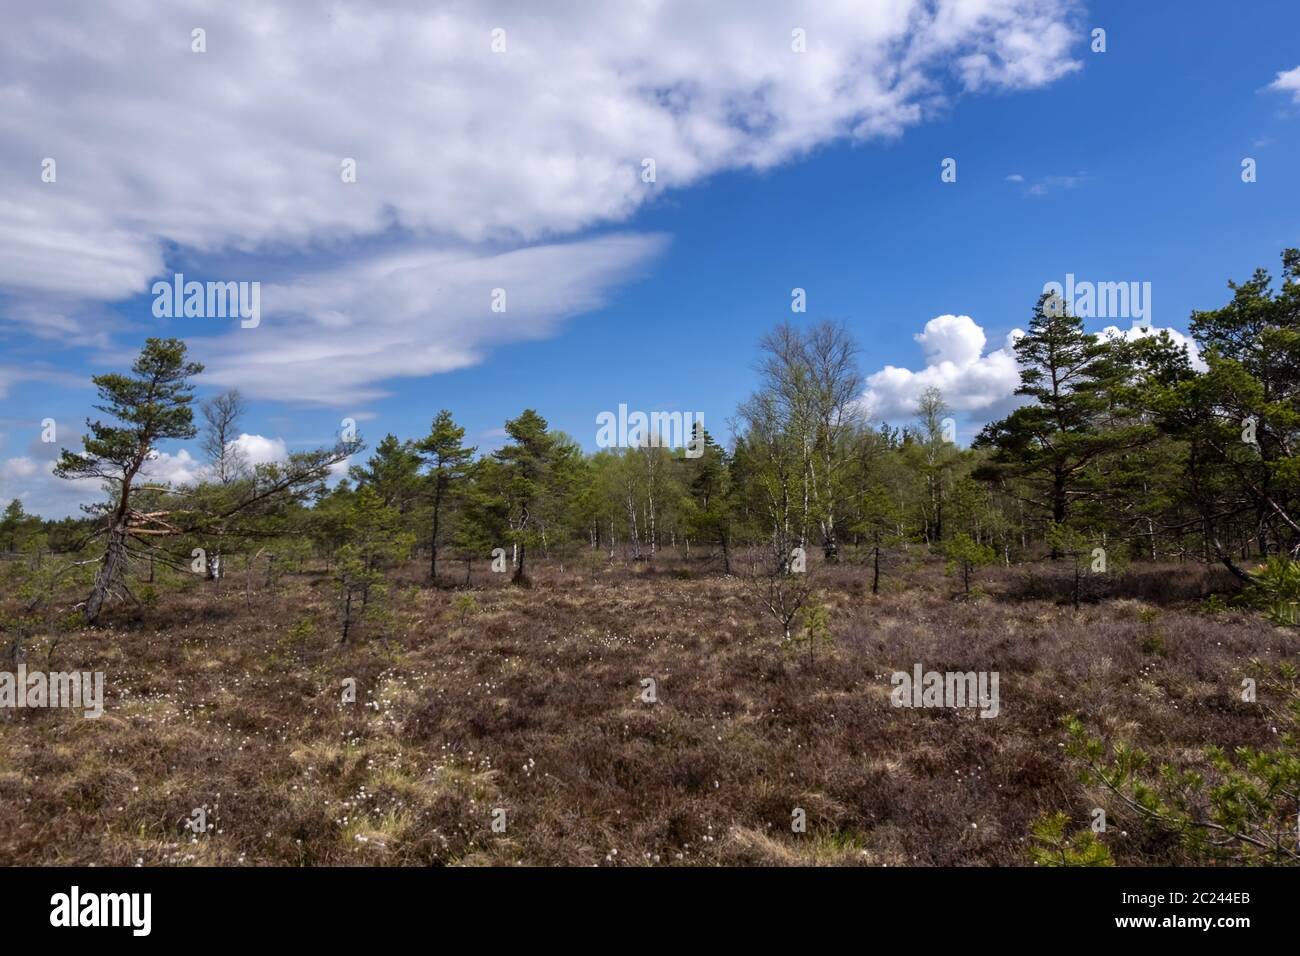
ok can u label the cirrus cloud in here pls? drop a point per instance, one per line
(327, 337)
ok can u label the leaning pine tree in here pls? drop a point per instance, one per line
(152, 404)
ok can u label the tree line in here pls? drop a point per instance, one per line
(1121, 444)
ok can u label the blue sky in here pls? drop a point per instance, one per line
(1130, 166)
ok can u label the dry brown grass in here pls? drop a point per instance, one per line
(532, 706)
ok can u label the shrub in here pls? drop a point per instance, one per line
(464, 605)
(814, 626)
(1153, 642)
(1275, 589)
(965, 555)
(1240, 808)
(1052, 847)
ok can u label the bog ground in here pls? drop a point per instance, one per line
(528, 701)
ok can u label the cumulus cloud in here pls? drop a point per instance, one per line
(181, 467)
(168, 468)
(30, 477)
(956, 364)
(1186, 342)
(260, 450)
(257, 450)
(1287, 81)
(981, 384)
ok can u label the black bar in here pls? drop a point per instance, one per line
(338, 906)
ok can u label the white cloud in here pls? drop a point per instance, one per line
(181, 467)
(475, 169)
(239, 149)
(168, 468)
(971, 381)
(10, 375)
(1287, 81)
(18, 469)
(257, 450)
(1045, 184)
(1142, 332)
(1009, 60)
(30, 477)
(325, 338)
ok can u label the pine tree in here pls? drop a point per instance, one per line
(527, 461)
(447, 460)
(710, 495)
(152, 405)
(393, 471)
(482, 522)
(375, 540)
(1242, 416)
(12, 523)
(1050, 442)
(965, 555)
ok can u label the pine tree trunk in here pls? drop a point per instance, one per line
(433, 540)
(109, 570)
(1058, 506)
(347, 616)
